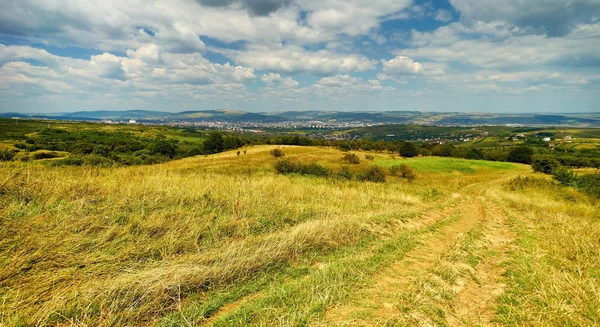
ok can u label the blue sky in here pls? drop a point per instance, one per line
(275, 55)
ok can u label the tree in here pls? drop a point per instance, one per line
(474, 154)
(544, 164)
(408, 150)
(443, 150)
(165, 148)
(214, 143)
(521, 154)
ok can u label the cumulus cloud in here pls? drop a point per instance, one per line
(294, 59)
(554, 17)
(402, 65)
(273, 79)
(256, 7)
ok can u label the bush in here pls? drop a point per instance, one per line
(563, 175)
(314, 169)
(287, 166)
(6, 155)
(374, 174)
(44, 155)
(521, 154)
(351, 158)
(345, 173)
(403, 171)
(70, 161)
(408, 150)
(589, 184)
(277, 153)
(369, 157)
(544, 164)
(474, 154)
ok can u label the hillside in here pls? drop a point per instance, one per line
(327, 117)
(223, 240)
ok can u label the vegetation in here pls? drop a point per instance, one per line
(351, 158)
(277, 153)
(224, 239)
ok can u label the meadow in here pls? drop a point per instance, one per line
(224, 240)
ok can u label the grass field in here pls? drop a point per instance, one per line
(223, 240)
(433, 164)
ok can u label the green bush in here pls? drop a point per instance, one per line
(589, 184)
(474, 154)
(408, 150)
(6, 155)
(374, 174)
(403, 171)
(521, 154)
(369, 157)
(345, 173)
(544, 164)
(287, 166)
(351, 158)
(564, 176)
(277, 153)
(44, 155)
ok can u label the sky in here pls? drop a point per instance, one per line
(507, 56)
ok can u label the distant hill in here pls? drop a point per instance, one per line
(368, 117)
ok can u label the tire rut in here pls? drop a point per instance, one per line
(396, 279)
(474, 304)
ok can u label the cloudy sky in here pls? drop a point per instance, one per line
(273, 55)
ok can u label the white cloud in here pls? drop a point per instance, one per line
(402, 65)
(555, 17)
(274, 79)
(294, 59)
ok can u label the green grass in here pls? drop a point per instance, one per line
(434, 164)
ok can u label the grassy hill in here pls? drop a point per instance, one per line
(224, 240)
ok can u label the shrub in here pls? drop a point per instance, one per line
(369, 157)
(277, 153)
(408, 150)
(351, 158)
(520, 183)
(214, 144)
(521, 154)
(345, 173)
(164, 148)
(563, 175)
(44, 155)
(589, 184)
(6, 155)
(374, 174)
(70, 161)
(544, 164)
(406, 171)
(474, 154)
(287, 166)
(314, 169)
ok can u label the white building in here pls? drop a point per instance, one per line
(546, 139)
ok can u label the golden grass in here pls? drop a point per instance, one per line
(89, 244)
(137, 245)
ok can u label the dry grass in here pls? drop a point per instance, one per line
(170, 244)
(108, 246)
